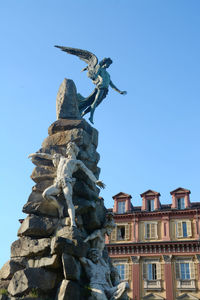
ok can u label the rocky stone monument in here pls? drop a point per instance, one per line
(60, 251)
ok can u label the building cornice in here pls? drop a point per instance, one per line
(151, 248)
(160, 213)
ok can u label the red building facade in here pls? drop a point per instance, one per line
(157, 247)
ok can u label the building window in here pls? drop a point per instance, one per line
(185, 270)
(151, 230)
(181, 203)
(152, 274)
(123, 269)
(183, 229)
(151, 270)
(184, 226)
(121, 232)
(150, 205)
(185, 274)
(121, 207)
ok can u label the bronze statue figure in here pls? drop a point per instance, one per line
(100, 77)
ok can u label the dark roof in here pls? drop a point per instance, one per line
(150, 192)
(122, 195)
(162, 208)
(180, 190)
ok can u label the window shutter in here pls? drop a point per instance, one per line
(179, 231)
(158, 271)
(130, 272)
(154, 231)
(144, 270)
(177, 266)
(113, 236)
(127, 232)
(192, 270)
(126, 277)
(189, 228)
(147, 230)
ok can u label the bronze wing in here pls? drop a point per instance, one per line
(84, 55)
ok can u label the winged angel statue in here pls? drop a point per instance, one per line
(100, 77)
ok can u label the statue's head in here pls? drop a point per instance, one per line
(106, 62)
(109, 224)
(94, 255)
(72, 147)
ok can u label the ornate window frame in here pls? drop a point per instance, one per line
(151, 230)
(152, 284)
(125, 263)
(186, 283)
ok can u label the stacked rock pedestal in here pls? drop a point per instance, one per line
(45, 260)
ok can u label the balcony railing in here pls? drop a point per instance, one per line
(152, 285)
(186, 284)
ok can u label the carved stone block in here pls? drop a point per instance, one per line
(66, 101)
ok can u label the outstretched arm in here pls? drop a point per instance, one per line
(41, 155)
(92, 236)
(90, 174)
(116, 89)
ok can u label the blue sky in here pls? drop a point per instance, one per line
(148, 139)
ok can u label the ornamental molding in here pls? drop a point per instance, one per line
(186, 297)
(135, 259)
(160, 213)
(198, 257)
(167, 258)
(153, 296)
(151, 248)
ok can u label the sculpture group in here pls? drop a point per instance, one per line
(100, 77)
(96, 268)
(61, 253)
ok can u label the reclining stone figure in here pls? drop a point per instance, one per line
(98, 273)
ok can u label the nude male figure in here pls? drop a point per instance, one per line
(64, 182)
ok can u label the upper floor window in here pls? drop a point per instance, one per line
(181, 203)
(183, 229)
(121, 207)
(151, 230)
(121, 232)
(150, 205)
